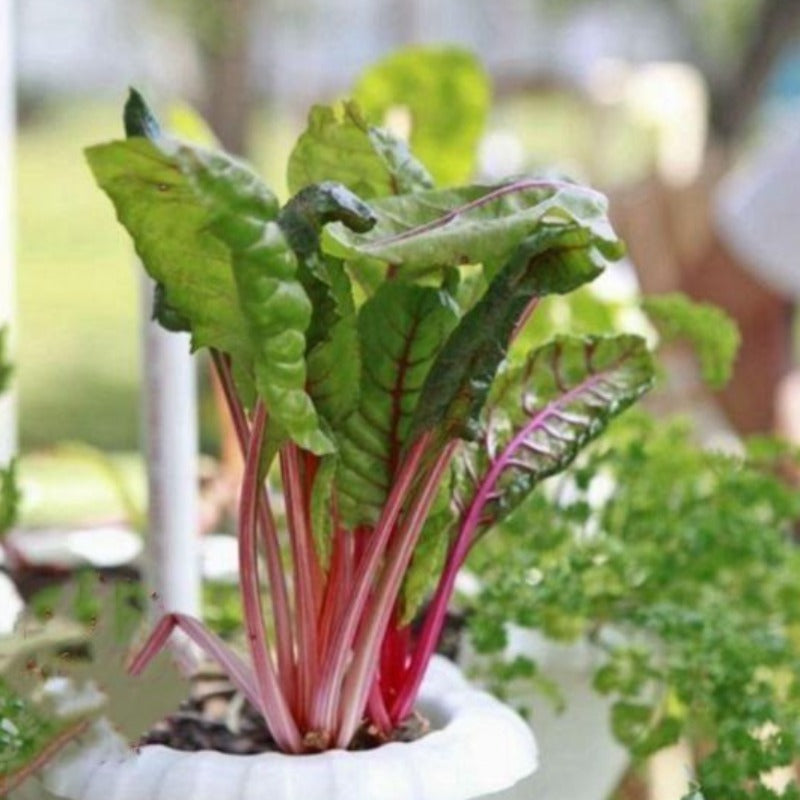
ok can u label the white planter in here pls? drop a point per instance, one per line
(580, 759)
(477, 747)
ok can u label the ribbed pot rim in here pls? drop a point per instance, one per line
(478, 746)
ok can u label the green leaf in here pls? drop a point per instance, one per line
(277, 312)
(446, 93)
(9, 498)
(639, 728)
(427, 231)
(168, 221)
(331, 338)
(158, 188)
(401, 329)
(6, 369)
(556, 259)
(320, 507)
(339, 145)
(546, 410)
(708, 329)
(206, 229)
(430, 554)
(166, 316)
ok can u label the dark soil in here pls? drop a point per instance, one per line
(216, 718)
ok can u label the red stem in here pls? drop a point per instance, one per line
(275, 705)
(395, 659)
(279, 593)
(323, 715)
(435, 618)
(307, 578)
(365, 659)
(240, 673)
(378, 712)
(337, 581)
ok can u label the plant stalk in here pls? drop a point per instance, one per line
(367, 648)
(279, 593)
(306, 575)
(323, 713)
(275, 706)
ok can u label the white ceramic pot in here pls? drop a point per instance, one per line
(580, 759)
(477, 748)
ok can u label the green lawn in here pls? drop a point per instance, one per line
(78, 358)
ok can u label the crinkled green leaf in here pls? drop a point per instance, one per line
(206, 229)
(401, 329)
(157, 187)
(554, 260)
(331, 339)
(446, 93)
(339, 145)
(277, 312)
(427, 231)
(708, 329)
(547, 409)
(320, 507)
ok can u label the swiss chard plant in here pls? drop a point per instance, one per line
(361, 332)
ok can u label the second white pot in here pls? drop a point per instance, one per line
(478, 748)
(580, 759)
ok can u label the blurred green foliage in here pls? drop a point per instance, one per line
(687, 558)
(446, 93)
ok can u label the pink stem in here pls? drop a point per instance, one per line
(524, 317)
(434, 620)
(305, 574)
(366, 651)
(337, 581)
(323, 712)
(240, 674)
(275, 706)
(378, 712)
(279, 593)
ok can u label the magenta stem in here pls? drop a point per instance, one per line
(279, 594)
(323, 712)
(275, 707)
(376, 707)
(435, 618)
(305, 575)
(240, 674)
(366, 653)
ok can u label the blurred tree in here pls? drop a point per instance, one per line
(734, 43)
(221, 32)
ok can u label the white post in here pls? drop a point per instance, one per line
(169, 403)
(8, 404)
